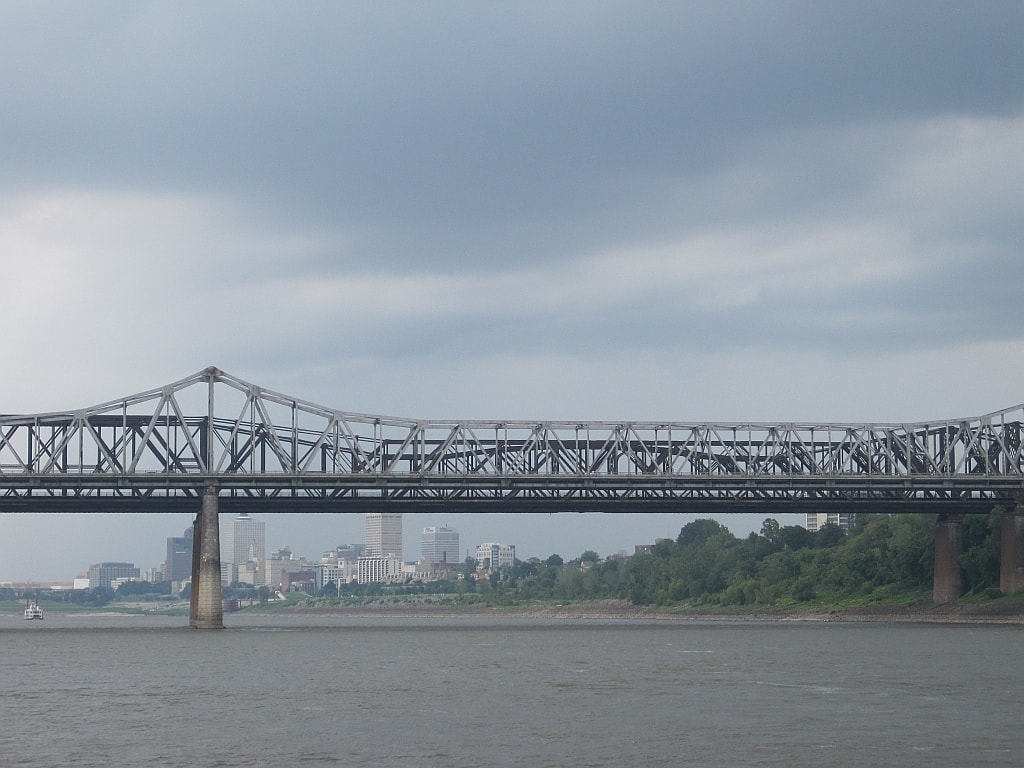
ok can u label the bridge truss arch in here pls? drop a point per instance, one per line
(264, 448)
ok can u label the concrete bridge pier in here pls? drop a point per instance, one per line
(948, 582)
(206, 610)
(1011, 551)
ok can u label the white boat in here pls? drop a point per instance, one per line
(33, 611)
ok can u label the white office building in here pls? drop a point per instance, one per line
(818, 520)
(377, 569)
(340, 572)
(492, 556)
(439, 545)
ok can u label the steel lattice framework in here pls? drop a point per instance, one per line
(262, 447)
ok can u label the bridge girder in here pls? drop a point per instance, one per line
(212, 429)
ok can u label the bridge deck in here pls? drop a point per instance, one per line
(166, 445)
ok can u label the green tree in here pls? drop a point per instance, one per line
(643, 575)
(468, 567)
(770, 529)
(829, 535)
(699, 531)
(100, 595)
(981, 542)
(330, 589)
(795, 537)
(912, 551)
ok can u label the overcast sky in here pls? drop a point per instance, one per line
(581, 210)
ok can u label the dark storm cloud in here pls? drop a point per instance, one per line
(467, 134)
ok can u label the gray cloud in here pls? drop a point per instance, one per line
(412, 117)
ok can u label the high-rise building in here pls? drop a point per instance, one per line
(440, 544)
(383, 534)
(492, 556)
(178, 565)
(818, 520)
(244, 540)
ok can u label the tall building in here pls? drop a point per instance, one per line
(818, 520)
(492, 556)
(383, 534)
(440, 545)
(244, 540)
(178, 565)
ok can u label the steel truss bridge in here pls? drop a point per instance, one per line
(261, 450)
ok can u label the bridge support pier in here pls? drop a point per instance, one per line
(206, 610)
(948, 583)
(1011, 551)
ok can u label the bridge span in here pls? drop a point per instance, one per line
(212, 442)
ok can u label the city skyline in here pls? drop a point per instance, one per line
(567, 535)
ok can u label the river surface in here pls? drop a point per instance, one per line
(313, 691)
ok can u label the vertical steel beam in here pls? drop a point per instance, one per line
(207, 452)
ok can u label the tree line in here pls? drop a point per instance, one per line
(882, 558)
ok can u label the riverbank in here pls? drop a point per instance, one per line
(1006, 611)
